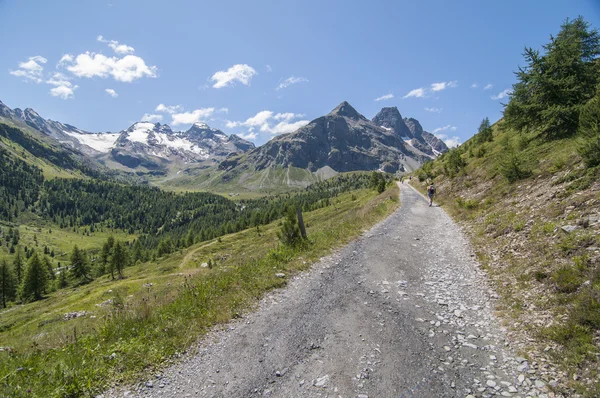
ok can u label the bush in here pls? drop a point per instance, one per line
(567, 279)
(289, 234)
(512, 168)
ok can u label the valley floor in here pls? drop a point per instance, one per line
(404, 311)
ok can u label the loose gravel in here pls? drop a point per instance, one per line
(403, 311)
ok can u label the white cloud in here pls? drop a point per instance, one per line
(445, 128)
(58, 79)
(192, 117)
(434, 110)
(65, 59)
(269, 69)
(126, 69)
(385, 97)
(120, 49)
(240, 72)
(417, 92)
(291, 80)
(223, 110)
(474, 85)
(263, 121)
(111, 92)
(259, 119)
(287, 116)
(64, 91)
(503, 94)
(488, 86)
(63, 88)
(451, 142)
(152, 118)
(31, 69)
(443, 85)
(168, 109)
(250, 136)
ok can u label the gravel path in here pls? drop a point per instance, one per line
(403, 311)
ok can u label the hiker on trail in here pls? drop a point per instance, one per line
(430, 193)
(402, 180)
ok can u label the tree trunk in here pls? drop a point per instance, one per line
(301, 223)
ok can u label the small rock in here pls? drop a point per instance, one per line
(149, 384)
(280, 275)
(569, 228)
(322, 381)
(491, 383)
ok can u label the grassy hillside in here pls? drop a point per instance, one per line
(250, 183)
(549, 279)
(130, 326)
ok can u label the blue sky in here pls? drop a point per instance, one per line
(259, 68)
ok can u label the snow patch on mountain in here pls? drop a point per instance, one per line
(101, 142)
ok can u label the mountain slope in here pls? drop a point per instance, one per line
(341, 141)
(532, 209)
(143, 147)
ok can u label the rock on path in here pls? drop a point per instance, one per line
(404, 311)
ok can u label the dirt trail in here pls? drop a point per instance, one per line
(403, 311)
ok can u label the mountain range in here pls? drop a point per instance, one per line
(203, 157)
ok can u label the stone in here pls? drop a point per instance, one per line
(280, 275)
(569, 228)
(322, 381)
(491, 383)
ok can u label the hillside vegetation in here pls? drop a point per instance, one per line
(79, 340)
(527, 190)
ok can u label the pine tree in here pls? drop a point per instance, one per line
(80, 266)
(35, 279)
(104, 263)
(48, 265)
(118, 259)
(8, 283)
(62, 279)
(484, 133)
(553, 87)
(290, 231)
(18, 262)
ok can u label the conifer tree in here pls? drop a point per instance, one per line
(8, 283)
(554, 86)
(35, 279)
(118, 258)
(48, 265)
(18, 262)
(80, 266)
(62, 279)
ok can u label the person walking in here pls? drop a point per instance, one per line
(431, 193)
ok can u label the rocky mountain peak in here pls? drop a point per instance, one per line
(414, 126)
(390, 119)
(346, 110)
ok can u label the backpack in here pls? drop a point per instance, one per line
(431, 189)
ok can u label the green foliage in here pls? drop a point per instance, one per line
(8, 284)
(468, 204)
(567, 279)
(119, 258)
(484, 133)
(589, 131)
(454, 162)
(553, 87)
(34, 279)
(18, 263)
(290, 231)
(512, 168)
(80, 266)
